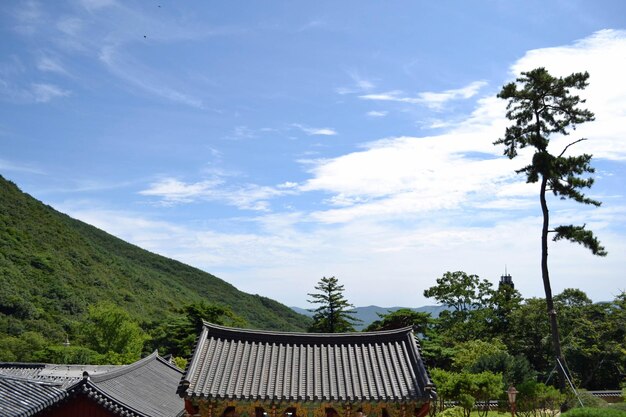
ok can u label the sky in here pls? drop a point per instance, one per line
(273, 143)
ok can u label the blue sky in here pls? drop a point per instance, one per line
(273, 143)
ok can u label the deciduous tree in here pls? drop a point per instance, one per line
(401, 318)
(111, 331)
(466, 297)
(176, 335)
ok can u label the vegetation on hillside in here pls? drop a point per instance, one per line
(53, 269)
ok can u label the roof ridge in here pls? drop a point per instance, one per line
(256, 332)
(168, 363)
(23, 365)
(125, 369)
(31, 380)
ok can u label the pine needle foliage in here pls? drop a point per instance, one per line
(541, 106)
(335, 314)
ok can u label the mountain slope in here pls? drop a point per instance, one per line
(52, 267)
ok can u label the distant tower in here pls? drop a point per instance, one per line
(506, 279)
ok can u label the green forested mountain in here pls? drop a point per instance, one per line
(52, 267)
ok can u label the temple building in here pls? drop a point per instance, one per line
(146, 388)
(253, 373)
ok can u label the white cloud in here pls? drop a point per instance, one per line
(283, 262)
(432, 100)
(400, 176)
(8, 166)
(43, 93)
(359, 84)
(313, 131)
(140, 76)
(603, 55)
(288, 184)
(437, 100)
(33, 93)
(313, 24)
(173, 190)
(28, 16)
(377, 113)
(460, 168)
(49, 64)
(71, 26)
(401, 211)
(94, 5)
(246, 196)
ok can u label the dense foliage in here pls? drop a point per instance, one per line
(53, 269)
(497, 331)
(403, 317)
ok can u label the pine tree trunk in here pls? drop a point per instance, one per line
(556, 342)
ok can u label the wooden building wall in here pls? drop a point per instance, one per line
(78, 406)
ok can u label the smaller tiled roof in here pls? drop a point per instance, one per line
(22, 397)
(146, 388)
(65, 375)
(230, 363)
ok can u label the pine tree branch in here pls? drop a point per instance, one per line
(573, 143)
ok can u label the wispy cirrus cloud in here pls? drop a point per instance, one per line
(315, 131)
(243, 196)
(432, 100)
(138, 75)
(43, 92)
(94, 5)
(70, 25)
(313, 24)
(47, 63)
(359, 84)
(33, 93)
(377, 113)
(10, 166)
(28, 16)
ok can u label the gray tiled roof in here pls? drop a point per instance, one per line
(64, 375)
(262, 365)
(21, 397)
(146, 388)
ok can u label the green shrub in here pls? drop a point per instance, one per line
(594, 412)
(586, 398)
(451, 412)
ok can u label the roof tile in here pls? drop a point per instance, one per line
(262, 365)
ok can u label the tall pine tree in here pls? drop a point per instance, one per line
(334, 314)
(541, 106)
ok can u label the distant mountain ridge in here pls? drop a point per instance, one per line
(369, 314)
(52, 267)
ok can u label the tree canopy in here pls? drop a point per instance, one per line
(401, 318)
(111, 331)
